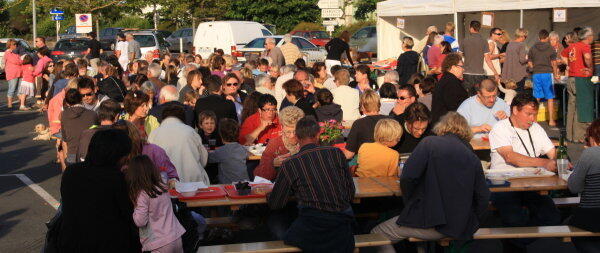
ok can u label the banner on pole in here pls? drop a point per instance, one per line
(83, 23)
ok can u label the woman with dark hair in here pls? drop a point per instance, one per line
(74, 120)
(388, 94)
(335, 48)
(424, 90)
(295, 96)
(362, 79)
(111, 85)
(250, 105)
(319, 71)
(218, 66)
(231, 91)
(449, 93)
(114, 61)
(195, 84)
(104, 222)
(40, 69)
(136, 108)
(327, 110)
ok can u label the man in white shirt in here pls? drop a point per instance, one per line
(485, 109)
(519, 141)
(347, 97)
(121, 50)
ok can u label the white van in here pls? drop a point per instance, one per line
(227, 35)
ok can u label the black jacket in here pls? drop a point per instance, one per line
(443, 187)
(113, 88)
(222, 107)
(97, 214)
(190, 118)
(408, 62)
(447, 96)
(328, 112)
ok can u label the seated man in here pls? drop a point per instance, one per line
(416, 127)
(519, 142)
(168, 95)
(407, 95)
(320, 181)
(445, 193)
(263, 125)
(485, 109)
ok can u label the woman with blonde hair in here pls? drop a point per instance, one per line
(377, 159)
(363, 129)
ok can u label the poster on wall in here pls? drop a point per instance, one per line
(400, 23)
(559, 15)
(487, 19)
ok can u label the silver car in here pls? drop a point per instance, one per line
(150, 41)
(181, 37)
(311, 52)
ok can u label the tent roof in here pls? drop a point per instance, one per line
(438, 7)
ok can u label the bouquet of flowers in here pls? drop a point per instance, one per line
(331, 131)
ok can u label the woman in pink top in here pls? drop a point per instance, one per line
(160, 230)
(41, 68)
(434, 55)
(26, 87)
(12, 67)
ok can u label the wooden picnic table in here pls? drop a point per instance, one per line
(481, 144)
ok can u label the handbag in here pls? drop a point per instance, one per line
(51, 243)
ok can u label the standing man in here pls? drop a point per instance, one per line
(273, 53)
(290, 51)
(475, 49)
(121, 50)
(93, 52)
(580, 111)
(449, 36)
(542, 60)
(91, 100)
(319, 179)
(133, 48)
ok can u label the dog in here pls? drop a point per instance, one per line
(43, 133)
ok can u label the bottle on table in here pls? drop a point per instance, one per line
(562, 157)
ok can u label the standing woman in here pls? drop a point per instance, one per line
(335, 48)
(12, 67)
(112, 86)
(40, 69)
(136, 106)
(103, 223)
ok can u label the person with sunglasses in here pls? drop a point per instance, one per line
(74, 120)
(407, 95)
(494, 70)
(91, 100)
(449, 93)
(231, 91)
(215, 102)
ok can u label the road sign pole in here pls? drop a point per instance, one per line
(57, 29)
(34, 21)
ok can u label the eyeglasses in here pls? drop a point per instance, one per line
(50, 66)
(499, 34)
(88, 94)
(232, 84)
(403, 98)
(269, 110)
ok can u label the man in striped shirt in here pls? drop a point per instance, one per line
(596, 56)
(320, 181)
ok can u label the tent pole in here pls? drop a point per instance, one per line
(521, 19)
(455, 19)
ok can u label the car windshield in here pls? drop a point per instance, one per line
(260, 43)
(320, 35)
(71, 45)
(145, 40)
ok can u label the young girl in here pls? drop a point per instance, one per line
(26, 87)
(509, 91)
(160, 230)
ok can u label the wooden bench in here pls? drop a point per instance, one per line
(366, 240)
(565, 232)
(566, 202)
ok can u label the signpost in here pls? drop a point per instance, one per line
(330, 22)
(332, 13)
(330, 9)
(83, 23)
(329, 4)
(58, 16)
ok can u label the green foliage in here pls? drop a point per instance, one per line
(133, 22)
(284, 14)
(353, 27)
(306, 26)
(364, 8)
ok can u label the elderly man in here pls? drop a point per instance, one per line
(89, 93)
(324, 222)
(391, 77)
(519, 141)
(169, 96)
(287, 73)
(273, 53)
(485, 109)
(290, 51)
(420, 45)
(133, 48)
(154, 71)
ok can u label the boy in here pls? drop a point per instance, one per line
(377, 159)
(231, 156)
(263, 67)
(542, 60)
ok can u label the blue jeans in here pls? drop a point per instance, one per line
(13, 86)
(540, 211)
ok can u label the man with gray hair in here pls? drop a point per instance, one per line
(168, 96)
(290, 51)
(484, 109)
(287, 73)
(133, 48)
(391, 77)
(154, 70)
(273, 53)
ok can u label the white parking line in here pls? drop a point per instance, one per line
(37, 189)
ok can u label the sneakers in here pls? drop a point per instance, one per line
(24, 108)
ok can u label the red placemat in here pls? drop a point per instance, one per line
(232, 193)
(206, 193)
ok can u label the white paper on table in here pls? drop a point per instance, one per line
(185, 186)
(260, 180)
(518, 172)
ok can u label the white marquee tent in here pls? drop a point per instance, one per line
(508, 14)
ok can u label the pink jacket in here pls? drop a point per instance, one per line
(55, 108)
(41, 65)
(156, 220)
(28, 74)
(12, 65)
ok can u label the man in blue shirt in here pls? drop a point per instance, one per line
(484, 109)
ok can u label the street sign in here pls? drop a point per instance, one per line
(329, 4)
(332, 13)
(58, 17)
(56, 11)
(330, 28)
(83, 23)
(330, 22)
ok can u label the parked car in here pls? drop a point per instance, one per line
(22, 43)
(184, 36)
(70, 33)
(226, 35)
(365, 42)
(311, 52)
(150, 41)
(319, 38)
(69, 48)
(107, 37)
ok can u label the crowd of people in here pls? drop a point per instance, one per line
(130, 126)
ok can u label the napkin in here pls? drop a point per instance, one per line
(260, 180)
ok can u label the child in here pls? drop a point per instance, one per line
(160, 230)
(190, 97)
(263, 67)
(327, 110)
(26, 88)
(509, 91)
(231, 156)
(207, 124)
(377, 159)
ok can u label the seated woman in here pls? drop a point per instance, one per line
(283, 146)
(231, 91)
(388, 96)
(377, 159)
(451, 182)
(415, 126)
(327, 110)
(294, 95)
(363, 129)
(585, 180)
(263, 125)
(136, 108)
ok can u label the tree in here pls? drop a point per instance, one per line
(364, 8)
(284, 14)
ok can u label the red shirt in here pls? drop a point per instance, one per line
(274, 149)
(252, 122)
(574, 53)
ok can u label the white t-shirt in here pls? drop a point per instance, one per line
(349, 99)
(503, 134)
(124, 58)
